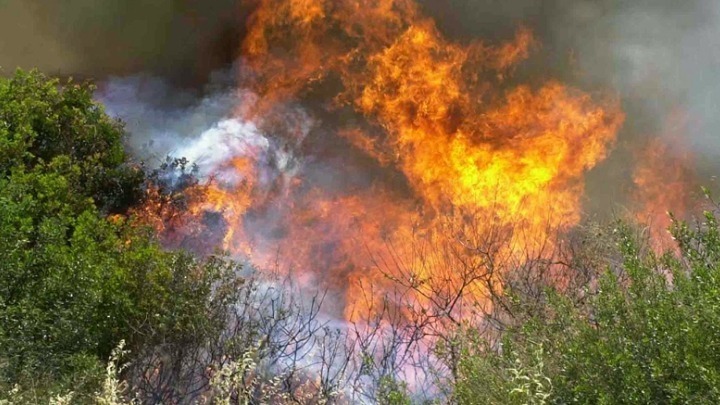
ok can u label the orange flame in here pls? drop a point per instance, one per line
(441, 115)
(664, 180)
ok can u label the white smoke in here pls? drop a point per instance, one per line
(161, 119)
(207, 130)
(661, 56)
(228, 139)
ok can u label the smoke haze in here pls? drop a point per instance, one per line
(181, 40)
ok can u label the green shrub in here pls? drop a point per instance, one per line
(73, 282)
(647, 332)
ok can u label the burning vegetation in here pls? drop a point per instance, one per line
(448, 136)
(381, 213)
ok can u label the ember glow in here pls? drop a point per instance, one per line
(451, 144)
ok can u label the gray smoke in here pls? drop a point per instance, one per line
(179, 39)
(662, 55)
(160, 118)
(663, 59)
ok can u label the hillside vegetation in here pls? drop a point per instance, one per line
(94, 310)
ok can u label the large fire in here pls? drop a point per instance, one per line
(459, 152)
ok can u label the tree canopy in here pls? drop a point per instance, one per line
(74, 281)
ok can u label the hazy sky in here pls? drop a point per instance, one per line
(181, 39)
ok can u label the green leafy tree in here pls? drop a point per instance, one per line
(48, 127)
(74, 281)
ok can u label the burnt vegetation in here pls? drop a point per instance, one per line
(593, 316)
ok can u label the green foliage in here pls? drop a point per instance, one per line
(648, 332)
(73, 282)
(46, 127)
(393, 392)
(517, 377)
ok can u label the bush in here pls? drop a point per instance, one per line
(647, 332)
(73, 281)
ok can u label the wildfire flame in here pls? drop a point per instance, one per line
(456, 142)
(664, 179)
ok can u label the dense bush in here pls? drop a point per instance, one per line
(73, 281)
(646, 332)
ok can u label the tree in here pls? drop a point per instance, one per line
(49, 127)
(73, 280)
